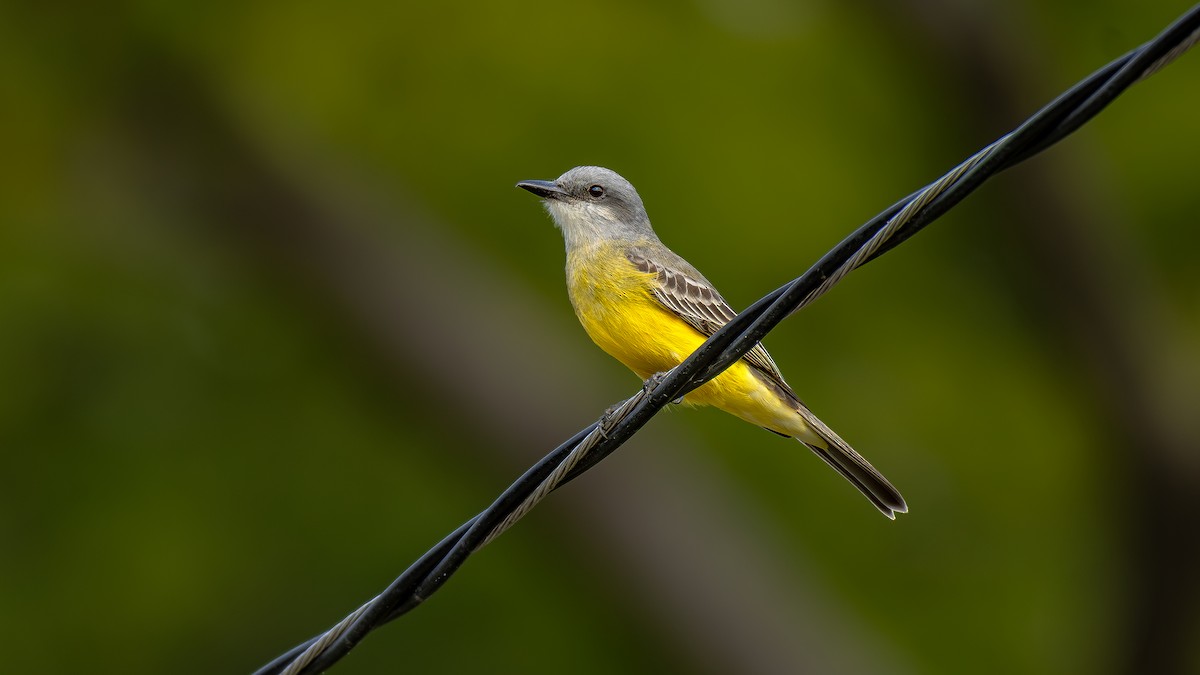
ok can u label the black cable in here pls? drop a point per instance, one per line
(1049, 125)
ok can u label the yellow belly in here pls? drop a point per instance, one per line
(614, 303)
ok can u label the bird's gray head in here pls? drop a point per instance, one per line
(592, 204)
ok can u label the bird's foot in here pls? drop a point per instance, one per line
(656, 379)
(608, 419)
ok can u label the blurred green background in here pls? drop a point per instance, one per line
(274, 319)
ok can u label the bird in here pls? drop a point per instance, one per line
(650, 309)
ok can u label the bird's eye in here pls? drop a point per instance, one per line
(596, 191)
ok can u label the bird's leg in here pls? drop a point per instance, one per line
(607, 419)
(656, 379)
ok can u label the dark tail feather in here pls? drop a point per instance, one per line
(873, 485)
(857, 470)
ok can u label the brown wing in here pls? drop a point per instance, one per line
(684, 291)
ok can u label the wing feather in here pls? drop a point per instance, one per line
(686, 293)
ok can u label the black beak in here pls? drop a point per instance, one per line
(543, 188)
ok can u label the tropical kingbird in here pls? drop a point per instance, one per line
(650, 309)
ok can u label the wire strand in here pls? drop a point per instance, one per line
(879, 235)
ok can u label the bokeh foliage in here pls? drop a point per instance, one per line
(275, 319)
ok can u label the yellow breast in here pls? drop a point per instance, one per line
(614, 303)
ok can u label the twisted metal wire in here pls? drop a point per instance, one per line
(321, 644)
(885, 231)
(551, 482)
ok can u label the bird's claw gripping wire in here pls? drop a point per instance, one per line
(607, 419)
(656, 379)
